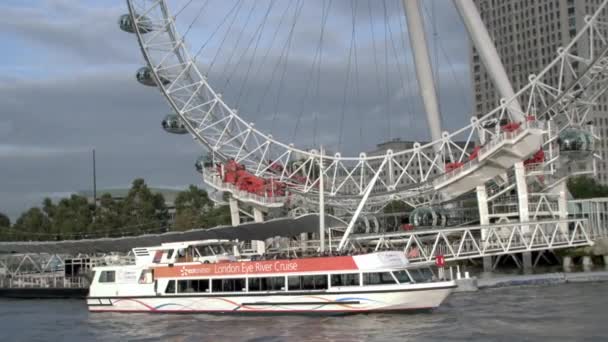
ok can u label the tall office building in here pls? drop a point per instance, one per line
(527, 35)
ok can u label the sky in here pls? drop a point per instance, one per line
(67, 86)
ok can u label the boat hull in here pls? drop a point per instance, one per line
(341, 302)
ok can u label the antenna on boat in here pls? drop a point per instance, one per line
(321, 203)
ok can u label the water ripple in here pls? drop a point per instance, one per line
(559, 313)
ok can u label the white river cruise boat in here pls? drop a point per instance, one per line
(205, 277)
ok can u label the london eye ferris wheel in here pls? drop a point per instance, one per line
(309, 72)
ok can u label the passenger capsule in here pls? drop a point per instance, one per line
(203, 162)
(173, 124)
(576, 143)
(126, 24)
(145, 77)
(428, 217)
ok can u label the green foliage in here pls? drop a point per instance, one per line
(585, 187)
(34, 224)
(141, 211)
(194, 209)
(4, 221)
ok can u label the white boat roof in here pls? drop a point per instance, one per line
(286, 227)
(209, 242)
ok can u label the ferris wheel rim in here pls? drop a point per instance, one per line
(262, 166)
(187, 60)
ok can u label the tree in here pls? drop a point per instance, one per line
(585, 187)
(33, 225)
(5, 222)
(194, 209)
(142, 210)
(71, 217)
(108, 219)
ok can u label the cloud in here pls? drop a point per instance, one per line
(24, 151)
(74, 90)
(70, 32)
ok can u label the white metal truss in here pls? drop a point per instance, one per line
(498, 239)
(411, 173)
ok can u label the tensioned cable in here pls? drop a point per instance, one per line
(281, 82)
(399, 71)
(450, 64)
(408, 71)
(317, 86)
(435, 41)
(228, 30)
(358, 108)
(346, 83)
(257, 33)
(242, 88)
(217, 28)
(238, 40)
(184, 7)
(284, 50)
(386, 81)
(325, 13)
(195, 18)
(371, 20)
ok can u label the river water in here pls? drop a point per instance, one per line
(569, 312)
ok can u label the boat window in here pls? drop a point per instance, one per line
(267, 284)
(421, 275)
(402, 277)
(378, 278)
(158, 255)
(169, 254)
(308, 282)
(350, 279)
(107, 277)
(146, 277)
(193, 285)
(228, 285)
(170, 287)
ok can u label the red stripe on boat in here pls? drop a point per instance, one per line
(259, 267)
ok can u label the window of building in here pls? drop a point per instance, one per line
(170, 287)
(193, 285)
(267, 284)
(349, 279)
(228, 285)
(378, 278)
(107, 277)
(308, 282)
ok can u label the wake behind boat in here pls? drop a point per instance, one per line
(191, 277)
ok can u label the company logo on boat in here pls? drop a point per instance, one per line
(258, 267)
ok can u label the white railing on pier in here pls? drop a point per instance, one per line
(479, 241)
(42, 281)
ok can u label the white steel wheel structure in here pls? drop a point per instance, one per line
(458, 161)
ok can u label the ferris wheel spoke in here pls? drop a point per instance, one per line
(411, 171)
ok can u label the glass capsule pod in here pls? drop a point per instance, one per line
(145, 77)
(172, 123)
(144, 24)
(203, 162)
(576, 143)
(428, 217)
